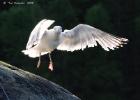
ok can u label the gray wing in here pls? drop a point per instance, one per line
(83, 36)
(38, 32)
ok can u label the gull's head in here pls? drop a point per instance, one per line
(58, 29)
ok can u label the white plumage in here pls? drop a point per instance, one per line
(43, 40)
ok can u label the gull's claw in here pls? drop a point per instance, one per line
(50, 66)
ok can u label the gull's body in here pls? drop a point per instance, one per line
(43, 40)
(46, 44)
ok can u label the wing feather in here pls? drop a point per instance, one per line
(38, 31)
(83, 36)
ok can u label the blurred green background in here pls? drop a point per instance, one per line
(92, 74)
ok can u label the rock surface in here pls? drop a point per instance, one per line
(16, 84)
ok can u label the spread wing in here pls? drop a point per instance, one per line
(83, 36)
(38, 31)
